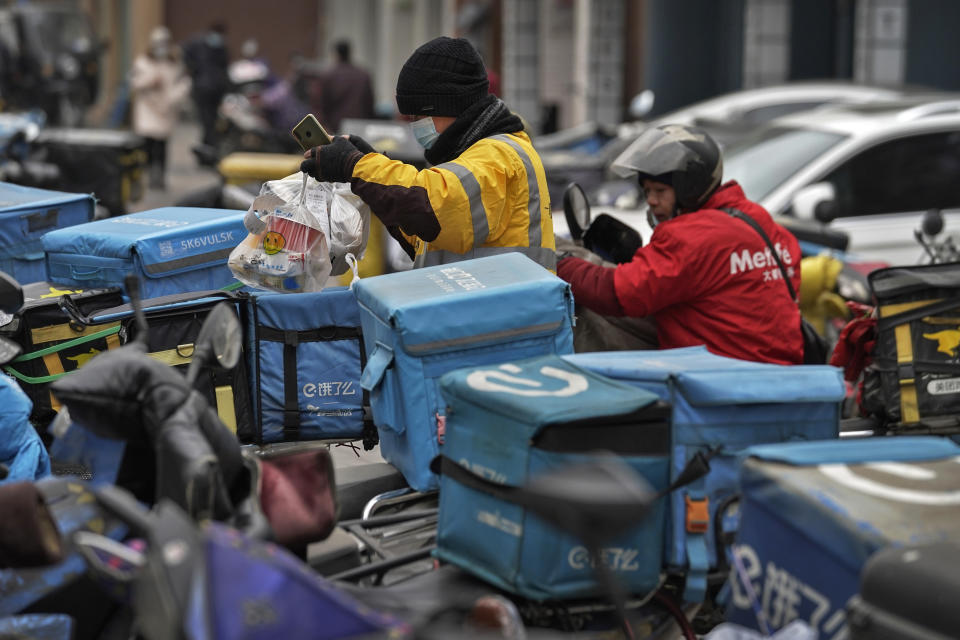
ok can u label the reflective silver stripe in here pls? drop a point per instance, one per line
(481, 229)
(189, 261)
(505, 334)
(535, 237)
(543, 256)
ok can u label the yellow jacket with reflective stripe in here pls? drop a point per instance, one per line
(491, 199)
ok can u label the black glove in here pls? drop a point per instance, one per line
(361, 144)
(332, 162)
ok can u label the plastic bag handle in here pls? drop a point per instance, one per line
(303, 190)
(355, 267)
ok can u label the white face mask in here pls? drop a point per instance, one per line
(425, 132)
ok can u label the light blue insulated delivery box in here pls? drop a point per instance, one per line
(171, 250)
(26, 214)
(419, 324)
(720, 407)
(511, 422)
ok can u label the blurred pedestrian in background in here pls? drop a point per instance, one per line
(250, 68)
(207, 61)
(343, 91)
(159, 86)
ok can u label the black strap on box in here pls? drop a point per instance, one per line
(160, 301)
(291, 339)
(697, 467)
(740, 215)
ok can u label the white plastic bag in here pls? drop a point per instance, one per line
(343, 217)
(301, 232)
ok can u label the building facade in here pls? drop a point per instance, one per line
(563, 62)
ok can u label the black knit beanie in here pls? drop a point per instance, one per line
(441, 78)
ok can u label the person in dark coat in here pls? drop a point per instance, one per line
(344, 91)
(206, 59)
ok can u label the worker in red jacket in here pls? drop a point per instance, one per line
(706, 277)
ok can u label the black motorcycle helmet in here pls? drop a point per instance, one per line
(684, 157)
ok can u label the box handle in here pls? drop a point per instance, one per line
(79, 274)
(377, 365)
(41, 221)
(31, 256)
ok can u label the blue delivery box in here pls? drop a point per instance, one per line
(170, 250)
(420, 324)
(721, 406)
(26, 214)
(511, 422)
(814, 512)
(306, 357)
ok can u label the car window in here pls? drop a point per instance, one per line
(909, 174)
(764, 161)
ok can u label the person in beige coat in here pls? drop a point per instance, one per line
(159, 86)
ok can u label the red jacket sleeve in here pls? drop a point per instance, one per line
(592, 285)
(659, 274)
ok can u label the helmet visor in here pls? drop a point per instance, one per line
(655, 153)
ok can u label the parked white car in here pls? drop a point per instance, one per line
(569, 155)
(870, 170)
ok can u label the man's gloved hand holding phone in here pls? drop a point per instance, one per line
(330, 160)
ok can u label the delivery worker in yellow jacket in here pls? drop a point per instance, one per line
(486, 192)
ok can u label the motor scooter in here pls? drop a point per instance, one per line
(174, 448)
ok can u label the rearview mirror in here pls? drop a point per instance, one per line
(642, 104)
(932, 222)
(816, 202)
(11, 294)
(576, 210)
(220, 341)
(9, 350)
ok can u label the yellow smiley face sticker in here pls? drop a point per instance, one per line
(273, 242)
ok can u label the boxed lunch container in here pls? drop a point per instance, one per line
(170, 250)
(26, 214)
(420, 324)
(720, 406)
(813, 513)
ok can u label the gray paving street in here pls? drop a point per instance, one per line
(184, 174)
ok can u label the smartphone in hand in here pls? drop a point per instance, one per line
(309, 133)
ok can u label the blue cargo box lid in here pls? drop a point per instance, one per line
(168, 240)
(541, 391)
(15, 198)
(490, 296)
(41, 208)
(854, 496)
(706, 379)
(332, 307)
